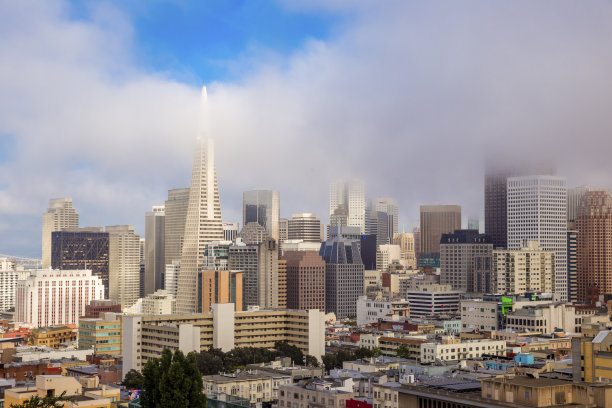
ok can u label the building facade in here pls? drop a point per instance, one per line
(305, 280)
(406, 242)
(262, 207)
(433, 300)
(8, 283)
(219, 286)
(175, 210)
(123, 264)
(529, 269)
(58, 216)
(435, 221)
(103, 334)
(465, 261)
(154, 250)
(304, 226)
(349, 196)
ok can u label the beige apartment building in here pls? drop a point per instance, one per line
(319, 393)
(257, 386)
(529, 269)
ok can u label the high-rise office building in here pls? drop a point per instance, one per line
(141, 276)
(594, 252)
(377, 223)
(465, 261)
(203, 223)
(343, 276)
(154, 251)
(574, 196)
(305, 280)
(572, 265)
(385, 255)
(62, 301)
(282, 283)
(262, 207)
(304, 226)
(58, 216)
(175, 215)
(528, 269)
(230, 231)
(123, 264)
(473, 223)
(537, 211)
(171, 277)
(389, 207)
(350, 195)
(82, 248)
(435, 221)
(219, 286)
(368, 247)
(406, 242)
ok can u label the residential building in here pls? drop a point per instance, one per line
(8, 283)
(58, 216)
(203, 224)
(481, 315)
(351, 197)
(145, 337)
(433, 300)
(219, 286)
(305, 280)
(50, 297)
(537, 211)
(304, 226)
(82, 248)
(262, 207)
(344, 271)
(230, 231)
(389, 344)
(123, 264)
(103, 334)
(435, 221)
(529, 269)
(52, 336)
(160, 302)
(457, 350)
(282, 284)
(594, 244)
(256, 386)
(154, 250)
(318, 393)
(369, 310)
(175, 210)
(406, 242)
(546, 319)
(465, 261)
(386, 255)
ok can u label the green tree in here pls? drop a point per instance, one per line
(329, 361)
(133, 380)
(363, 352)
(312, 361)
(209, 363)
(403, 351)
(45, 402)
(287, 350)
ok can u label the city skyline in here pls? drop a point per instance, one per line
(295, 93)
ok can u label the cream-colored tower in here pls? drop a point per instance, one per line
(203, 224)
(123, 264)
(529, 269)
(58, 216)
(405, 240)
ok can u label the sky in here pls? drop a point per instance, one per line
(99, 101)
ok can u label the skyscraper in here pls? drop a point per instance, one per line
(465, 261)
(435, 221)
(154, 260)
(82, 248)
(305, 226)
(123, 264)
(406, 242)
(58, 216)
(175, 210)
(537, 211)
(389, 207)
(305, 280)
(574, 196)
(377, 223)
(572, 265)
(352, 196)
(262, 207)
(203, 223)
(594, 225)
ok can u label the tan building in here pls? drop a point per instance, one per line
(318, 393)
(530, 269)
(305, 280)
(160, 302)
(123, 265)
(52, 336)
(405, 240)
(104, 334)
(220, 287)
(594, 241)
(435, 221)
(389, 345)
(224, 328)
(592, 358)
(257, 386)
(59, 215)
(282, 284)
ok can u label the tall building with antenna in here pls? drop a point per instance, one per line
(203, 224)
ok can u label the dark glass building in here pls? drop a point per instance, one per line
(368, 252)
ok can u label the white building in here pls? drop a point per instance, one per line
(369, 311)
(300, 245)
(159, 303)
(351, 195)
(50, 297)
(545, 319)
(8, 282)
(369, 340)
(456, 350)
(230, 231)
(171, 277)
(58, 216)
(385, 255)
(537, 211)
(123, 264)
(433, 300)
(529, 269)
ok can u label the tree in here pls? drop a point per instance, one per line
(173, 381)
(312, 361)
(45, 402)
(209, 363)
(363, 352)
(133, 380)
(329, 361)
(287, 350)
(403, 351)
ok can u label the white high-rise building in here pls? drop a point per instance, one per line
(350, 195)
(123, 264)
(50, 297)
(58, 216)
(8, 282)
(171, 277)
(537, 211)
(203, 224)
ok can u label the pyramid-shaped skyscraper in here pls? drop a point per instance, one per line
(203, 224)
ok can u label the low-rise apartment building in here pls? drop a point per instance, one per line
(103, 334)
(317, 393)
(369, 311)
(255, 385)
(545, 319)
(455, 350)
(52, 336)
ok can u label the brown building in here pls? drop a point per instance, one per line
(594, 242)
(52, 336)
(435, 221)
(282, 283)
(96, 307)
(219, 287)
(305, 280)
